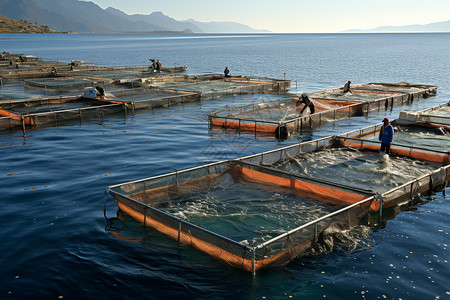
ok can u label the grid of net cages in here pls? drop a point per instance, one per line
(254, 212)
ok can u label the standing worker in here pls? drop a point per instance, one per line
(347, 87)
(158, 65)
(304, 98)
(152, 68)
(226, 72)
(386, 135)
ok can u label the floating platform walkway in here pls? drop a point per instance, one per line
(281, 117)
(298, 185)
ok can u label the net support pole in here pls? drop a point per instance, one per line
(176, 174)
(104, 205)
(380, 198)
(179, 230)
(253, 262)
(23, 125)
(315, 233)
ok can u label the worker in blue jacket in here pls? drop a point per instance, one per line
(386, 135)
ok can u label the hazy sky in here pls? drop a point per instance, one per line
(295, 15)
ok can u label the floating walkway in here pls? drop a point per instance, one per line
(196, 207)
(281, 117)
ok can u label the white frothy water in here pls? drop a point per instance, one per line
(361, 169)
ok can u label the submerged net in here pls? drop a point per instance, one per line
(250, 213)
(201, 85)
(65, 84)
(282, 110)
(139, 94)
(351, 96)
(53, 107)
(395, 88)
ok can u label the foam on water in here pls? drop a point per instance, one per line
(245, 211)
(437, 139)
(356, 168)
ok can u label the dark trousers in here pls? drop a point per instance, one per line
(386, 148)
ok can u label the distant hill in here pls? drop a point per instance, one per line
(8, 25)
(82, 16)
(432, 27)
(158, 19)
(221, 27)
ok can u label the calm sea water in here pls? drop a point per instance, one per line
(52, 180)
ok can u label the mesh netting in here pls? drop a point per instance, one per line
(267, 209)
(65, 84)
(283, 116)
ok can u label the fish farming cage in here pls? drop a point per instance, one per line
(415, 134)
(379, 95)
(147, 200)
(149, 97)
(435, 164)
(69, 84)
(127, 75)
(419, 90)
(214, 86)
(436, 116)
(274, 117)
(163, 203)
(242, 118)
(33, 113)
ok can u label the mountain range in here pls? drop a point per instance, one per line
(443, 26)
(8, 25)
(82, 16)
